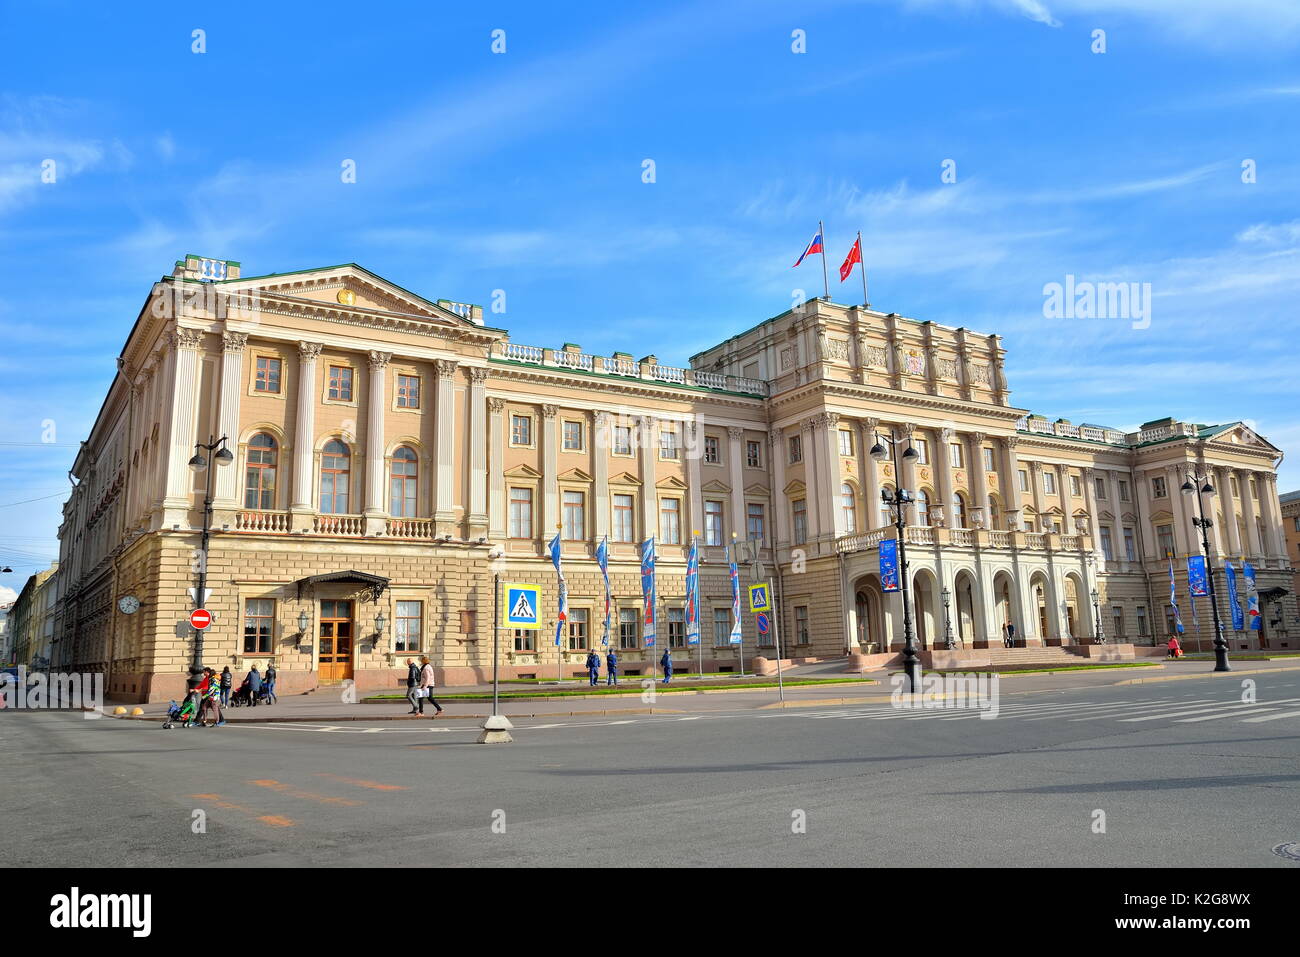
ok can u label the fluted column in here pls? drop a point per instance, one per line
(870, 473)
(979, 480)
(735, 470)
(304, 436)
(693, 514)
(445, 461)
(497, 446)
(478, 451)
(375, 507)
(1094, 520)
(550, 472)
(600, 443)
(813, 497)
(184, 388)
(943, 474)
(1011, 481)
(647, 449)
(1272, 511)
(1179, 504)
(1036, 493)
(1146, 528)
(232, 387)
(1224, 485)
(1249, 513)
(833, 515)
(780, 503)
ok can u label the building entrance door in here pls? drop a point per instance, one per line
(335, 641)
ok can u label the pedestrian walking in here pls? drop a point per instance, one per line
(254, 680)
(209, 690)
(413, 685)
(593, 667)
(611, 669)
(667, 662)
(426, 686)
(1009, 637)
(1175, 649)
(227, 681)
(269, 681)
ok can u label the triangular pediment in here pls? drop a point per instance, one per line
(758, 490)
(1163, 516)
(1107, 517)
(625, 478)
(716, 486)
(795, 488)
(522, 471)
(671, 482)
(574, 475)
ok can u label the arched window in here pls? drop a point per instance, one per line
(335, 472)
(259, 472)
(401, 495)
(959, 510)
(922, 507)
(849, 506)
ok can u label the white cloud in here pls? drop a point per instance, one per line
(7, 595)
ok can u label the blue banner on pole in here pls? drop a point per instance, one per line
(1234, 604)
(1252, 598)
(889, 565)
(693, 594)
(1196, 579)
(649, 619)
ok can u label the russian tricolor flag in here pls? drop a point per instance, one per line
(813, 247)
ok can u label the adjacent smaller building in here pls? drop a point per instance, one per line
(1290, 502)
(31, 621)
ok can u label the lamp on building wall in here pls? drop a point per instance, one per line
(303, 624)
(1200, 486)
(380, 622)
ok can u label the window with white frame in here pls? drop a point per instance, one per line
(802, 635)
(1049, 481)
(670, 521)
(987, 455)
(676, 627)
(800, 510)
(713, 530)
(521, 513)
(629, 624)
(408, 624)
(846, 442)
(622, 440)
(755, 526)
(796, 449)
(754, 454)
(922, 447)
(712, 450)
(956, 455)
(574, 516)
(521, 429)
(578, 629)
(624, 510)
(849, 508)
(573, 439)
(668, 443)
(1158, 487)
(721, 627)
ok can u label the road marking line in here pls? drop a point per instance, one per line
(291, 791)
(1272, 717)
(273, 820)
(373, 785)
(1181, 714)
(1216, 717)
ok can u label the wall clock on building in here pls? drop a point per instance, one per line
(347, 297)
(128, 604)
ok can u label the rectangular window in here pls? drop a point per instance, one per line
(670, 521)
(922, 447)
(796, 449)
(575, 516)
(521, 430)
(578, 629)
(408, 391)
(987, 455)
(1024, 480)
(521, 513)
(1075, 488)
(408, 626)
(800, 509)
(1123, 490)
(713, 531)
(846, 442)
(754, 455)
(676, 627)
(1130, 547)
(623, 512)
(1142, 621)
(259, 625)
(1158, 487)
(524, 639)
(668, 444)
(712, 453)
(1107, 547)
(1101, 488)
(341, 383)
(622, 440)
(572, 436)
(267, 378)
(1165, 538)
(754, 522)
(956, 455)
(801, 633)
(1117, 622)
(721, 627)
(1049, 481)
(629, 624)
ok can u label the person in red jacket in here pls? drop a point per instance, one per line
(1175, 651)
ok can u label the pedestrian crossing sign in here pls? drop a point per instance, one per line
(759, 599)
(522, 606)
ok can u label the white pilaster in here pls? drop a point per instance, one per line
(376, 508)
(305, 433)
(445, 474)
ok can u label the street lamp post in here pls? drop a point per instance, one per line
(198, 463)
(1199, 485)
(1098, 632)
(897, 501)
(949, 642)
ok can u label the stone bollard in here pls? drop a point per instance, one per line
(496, 730)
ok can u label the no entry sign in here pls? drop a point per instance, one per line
(200, 618)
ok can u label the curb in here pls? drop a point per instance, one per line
(624, 694)
(296, 719)
(1207, 674)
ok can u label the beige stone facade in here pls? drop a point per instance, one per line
(404, 440)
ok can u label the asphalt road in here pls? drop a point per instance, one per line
(1183, 772)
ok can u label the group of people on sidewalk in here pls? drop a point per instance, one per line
(611, 667)
(210, 692)
(419, 686)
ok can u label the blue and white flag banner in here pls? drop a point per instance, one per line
(649, 619)
(735, 637)
(563, 614)
(889, 565)
(1173, 598)
(1252, 598)
(602, 559)
(693, 594)
(1196, 578)
(1234, 603)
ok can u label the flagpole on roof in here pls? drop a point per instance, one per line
(862, 264)
(826, 283)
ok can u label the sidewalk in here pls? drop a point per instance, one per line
(327, 706)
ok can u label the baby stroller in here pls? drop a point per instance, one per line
(242, 695)
(186, 714)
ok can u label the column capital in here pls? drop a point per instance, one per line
(445, 367)
(1089, 472)
(1035, 467)
(978, 437)
(234, 341)
(378, 360)
(869, 425)
(549, 411)
(496, 403)
(946, 434)
(1009, 441)
(309, 351)
(183, 338)
(601, 417)
(478, 375)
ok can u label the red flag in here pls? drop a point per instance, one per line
(855, 256)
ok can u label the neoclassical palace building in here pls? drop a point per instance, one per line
(392, 455)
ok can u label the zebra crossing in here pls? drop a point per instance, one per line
(1179, 710)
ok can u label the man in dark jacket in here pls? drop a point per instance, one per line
(270, 682)
(254, 680)
(667, 662)
(412, 685)
(593, 667)
(611, 669)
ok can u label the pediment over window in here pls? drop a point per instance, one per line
(758, 491)
(625, 478)
(716, 486)
(574, 475)
(522, 471)
(795, 488)
(671, 482)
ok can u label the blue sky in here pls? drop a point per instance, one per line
(522, 171)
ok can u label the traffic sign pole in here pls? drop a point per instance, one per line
(776, 629)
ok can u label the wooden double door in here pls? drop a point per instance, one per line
(336, 633)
